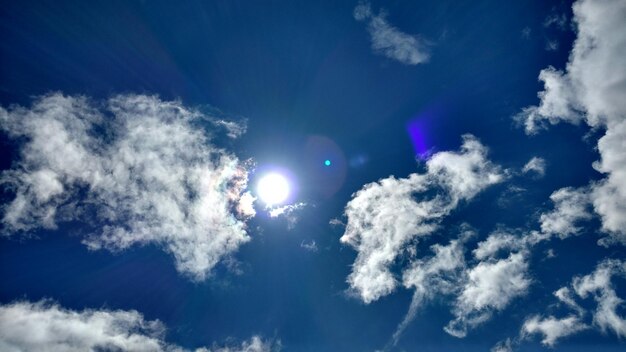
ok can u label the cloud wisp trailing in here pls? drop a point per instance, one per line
(135, 170)
(389, 41)
(46, 326)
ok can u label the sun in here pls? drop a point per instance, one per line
(273, 189)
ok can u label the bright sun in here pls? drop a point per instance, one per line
(273, 189)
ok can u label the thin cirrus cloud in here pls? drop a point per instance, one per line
(135, 170)
(592, 90)
(389, 41)
(46, 326)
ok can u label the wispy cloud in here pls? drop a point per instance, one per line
(135, 169)
(535, 165)
(310, 246)
(571, 206)
(390, 41)
(558, 20)
(289, 212)
(552, 328)
(384, 216)
(599, 285)
(45, 326)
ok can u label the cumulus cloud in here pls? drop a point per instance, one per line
(45, 326)
(592, 90)
(535, 165)
(136, 169)
(390, 41)
(490, 287)
(384, 216)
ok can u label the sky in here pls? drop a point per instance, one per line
(313, 176)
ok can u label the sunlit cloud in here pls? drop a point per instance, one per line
(135, 170)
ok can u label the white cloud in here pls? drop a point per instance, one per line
(138, 170)
(310, 246)
(504, 346)
(437, 275)
(289, 212)
(44, 326)
(592, 90)
(255, 344)
(557, 20)
(555, 103)
(497, 242)
(609, 195)
(598, 284)
(285, 209)
(388, 40)
(552, 328)
(564, 294)
(552, 45)
(490, 287)
(570, 207)
(233, 129)
(536, 165)
(384, 216)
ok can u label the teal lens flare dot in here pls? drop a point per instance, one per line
(327, 162)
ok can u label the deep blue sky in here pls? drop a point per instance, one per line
(295, 70)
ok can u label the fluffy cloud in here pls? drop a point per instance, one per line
(609, 195)
(570, 207)
(551, 328)
(535, 165)
(592, 90)
(598, 284)
(136, 169)
(388, 40)
(490, 287)
(384, 216)
(497, 242)
(43, 326)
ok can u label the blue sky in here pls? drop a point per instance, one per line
(475, 198)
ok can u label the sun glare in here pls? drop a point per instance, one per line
(273, 189)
